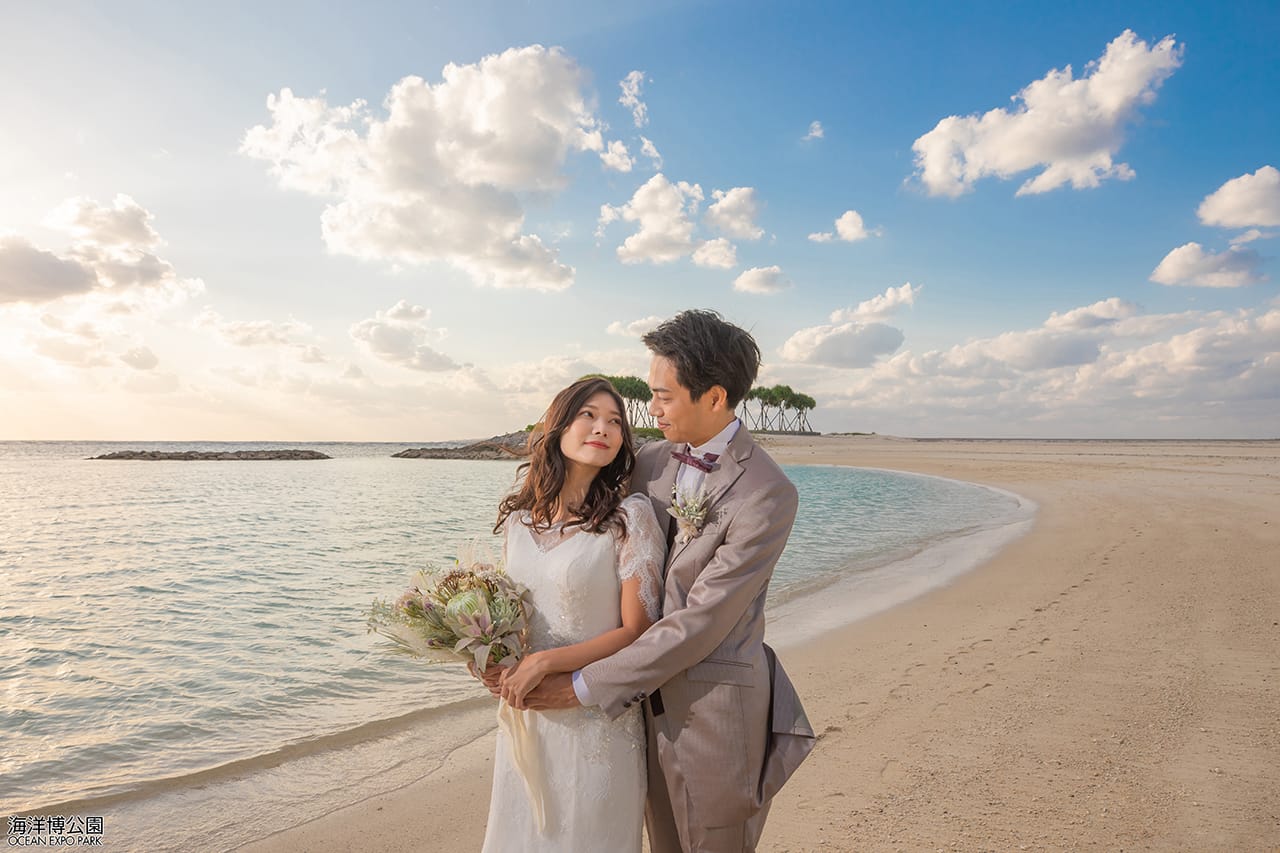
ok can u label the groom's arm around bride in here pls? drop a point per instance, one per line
(725, 726)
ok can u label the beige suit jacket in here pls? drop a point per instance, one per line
(732, 729)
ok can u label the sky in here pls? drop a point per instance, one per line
(417, 222)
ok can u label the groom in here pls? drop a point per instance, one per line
(725, 726)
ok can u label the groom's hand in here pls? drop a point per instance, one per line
(555, 693)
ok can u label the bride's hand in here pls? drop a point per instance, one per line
(492, 676)
(517, 681)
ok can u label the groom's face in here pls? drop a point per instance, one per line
(680, 418)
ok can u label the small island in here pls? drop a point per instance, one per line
(214, 456)
(513, 445)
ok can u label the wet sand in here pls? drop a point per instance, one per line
(1107, 681)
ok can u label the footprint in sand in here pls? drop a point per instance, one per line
(892, 772)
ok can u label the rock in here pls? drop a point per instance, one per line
(513, 445)
(217, 456)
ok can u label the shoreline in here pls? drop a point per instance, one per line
(813, 613)
(1087, 686)
(1065, 693)
(358, 747)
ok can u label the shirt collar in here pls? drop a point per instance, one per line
(720, 442)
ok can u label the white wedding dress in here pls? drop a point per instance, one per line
(592, 778)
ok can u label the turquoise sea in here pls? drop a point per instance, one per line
(197, 625)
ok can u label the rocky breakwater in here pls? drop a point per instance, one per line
(214, 456)
(513, 445)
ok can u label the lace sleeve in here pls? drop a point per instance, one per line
(642, 553)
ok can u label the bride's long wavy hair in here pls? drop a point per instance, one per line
(541, 479)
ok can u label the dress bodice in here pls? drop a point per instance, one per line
(575, 577)
(574, 591)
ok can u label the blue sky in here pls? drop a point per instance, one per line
(394, 252)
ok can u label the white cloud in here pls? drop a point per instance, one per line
(1251, 235)
(648, 149)
(848, 344)
(879, 306)
(1099, 370)
(761, 280)
(252, 333)
(636, 328)
(615, 157)
(631, 86)
(662, 211)
(855, 337)
(1249, 200)
(125, 224)
(71, 351)
(815, 131)
(1038, 349)
(1073, 128)
(718, 254)
(83, 329)
(1107, 312)
(290, 337)
(849, 228)
(665, 211)
(110, 254)
(539, 381)
(312, 354)
(28, 274)
(401, 336)
(1191, 265)
(437, 178)
(734, 213)
(140, 358)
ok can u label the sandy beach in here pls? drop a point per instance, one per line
(1107, 681)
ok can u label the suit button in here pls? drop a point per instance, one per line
(626, 704)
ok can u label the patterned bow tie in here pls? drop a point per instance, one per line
(706, 462)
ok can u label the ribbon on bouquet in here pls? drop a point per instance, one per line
(524, 753)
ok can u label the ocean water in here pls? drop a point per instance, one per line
(168, 624)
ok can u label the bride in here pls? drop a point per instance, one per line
(592, 561)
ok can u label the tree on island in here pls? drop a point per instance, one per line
(777, 409)
(635, 393)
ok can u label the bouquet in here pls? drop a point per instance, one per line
(472, 613)
(466, 613)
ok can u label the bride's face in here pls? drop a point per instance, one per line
(594, 436)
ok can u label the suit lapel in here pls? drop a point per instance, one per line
(719, 481)
(661, 479)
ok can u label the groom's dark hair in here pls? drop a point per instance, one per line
(706, 350)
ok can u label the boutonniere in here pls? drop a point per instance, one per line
(689, 511)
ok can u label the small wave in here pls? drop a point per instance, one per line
(113, 795)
